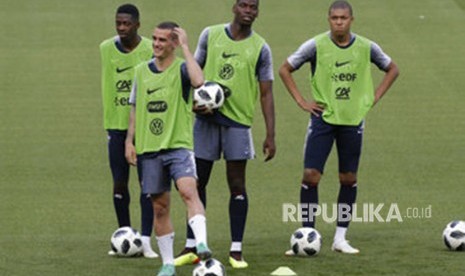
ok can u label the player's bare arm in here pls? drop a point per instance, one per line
(193, 68)
(391, 75)
(130, 150)
(285, 72)
(267, 104)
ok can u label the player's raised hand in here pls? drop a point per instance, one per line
(181, 36)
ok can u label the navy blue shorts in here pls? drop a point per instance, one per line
(118, 164)
(319, 141)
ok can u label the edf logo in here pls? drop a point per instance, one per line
(349, 77)
(123, 101)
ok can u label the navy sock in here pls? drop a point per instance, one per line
(121, 203)
(347, 196)
(190, 234)
(238, 207)
(146, 214)
(309, 201)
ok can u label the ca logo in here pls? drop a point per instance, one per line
(342, 93)
(156, 126)
(124, 85)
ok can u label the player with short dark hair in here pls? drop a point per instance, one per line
(160, 123)
(119, 55)
(240, 60)
(342, 89)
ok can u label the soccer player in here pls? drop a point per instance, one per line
(119, 56)
(240, 60)
(161, 125)
(343, 93)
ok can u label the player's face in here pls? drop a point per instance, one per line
(340, 21)
(245, 11)
(163, 42)
(126, 26)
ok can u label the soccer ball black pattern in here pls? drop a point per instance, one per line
(126, 242)
(211, 267)
(209, 95)
(454, 235)
(306, 241)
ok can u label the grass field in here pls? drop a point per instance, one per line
(56, 213)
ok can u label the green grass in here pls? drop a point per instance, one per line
(56, 212)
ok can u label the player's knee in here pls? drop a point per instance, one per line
(311, 177)
(236, 187)
(187, 194)
(348, 179)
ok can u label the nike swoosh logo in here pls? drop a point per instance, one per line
(224, 55)
(150, 91)
(121, 70)
(339, 64)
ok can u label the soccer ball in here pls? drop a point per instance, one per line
(454, 235)
(209, 95)
(211, 267)
(126, 242)
(306, 241)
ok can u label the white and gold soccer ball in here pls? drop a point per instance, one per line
(126, 242)
(306, 241)
(454, 235)
(209, 95)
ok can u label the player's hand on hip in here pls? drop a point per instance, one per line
(312, 107)
(130, 153)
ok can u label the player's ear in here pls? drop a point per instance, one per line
(135, 22)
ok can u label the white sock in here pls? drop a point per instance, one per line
(190, 243)
(236, 247)
(146, 242)
(199, 227)
(165, 245)
(340, 234)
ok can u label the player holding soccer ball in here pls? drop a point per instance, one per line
(120, 54)
(161, 125)
(236, 57)
(343, 94)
